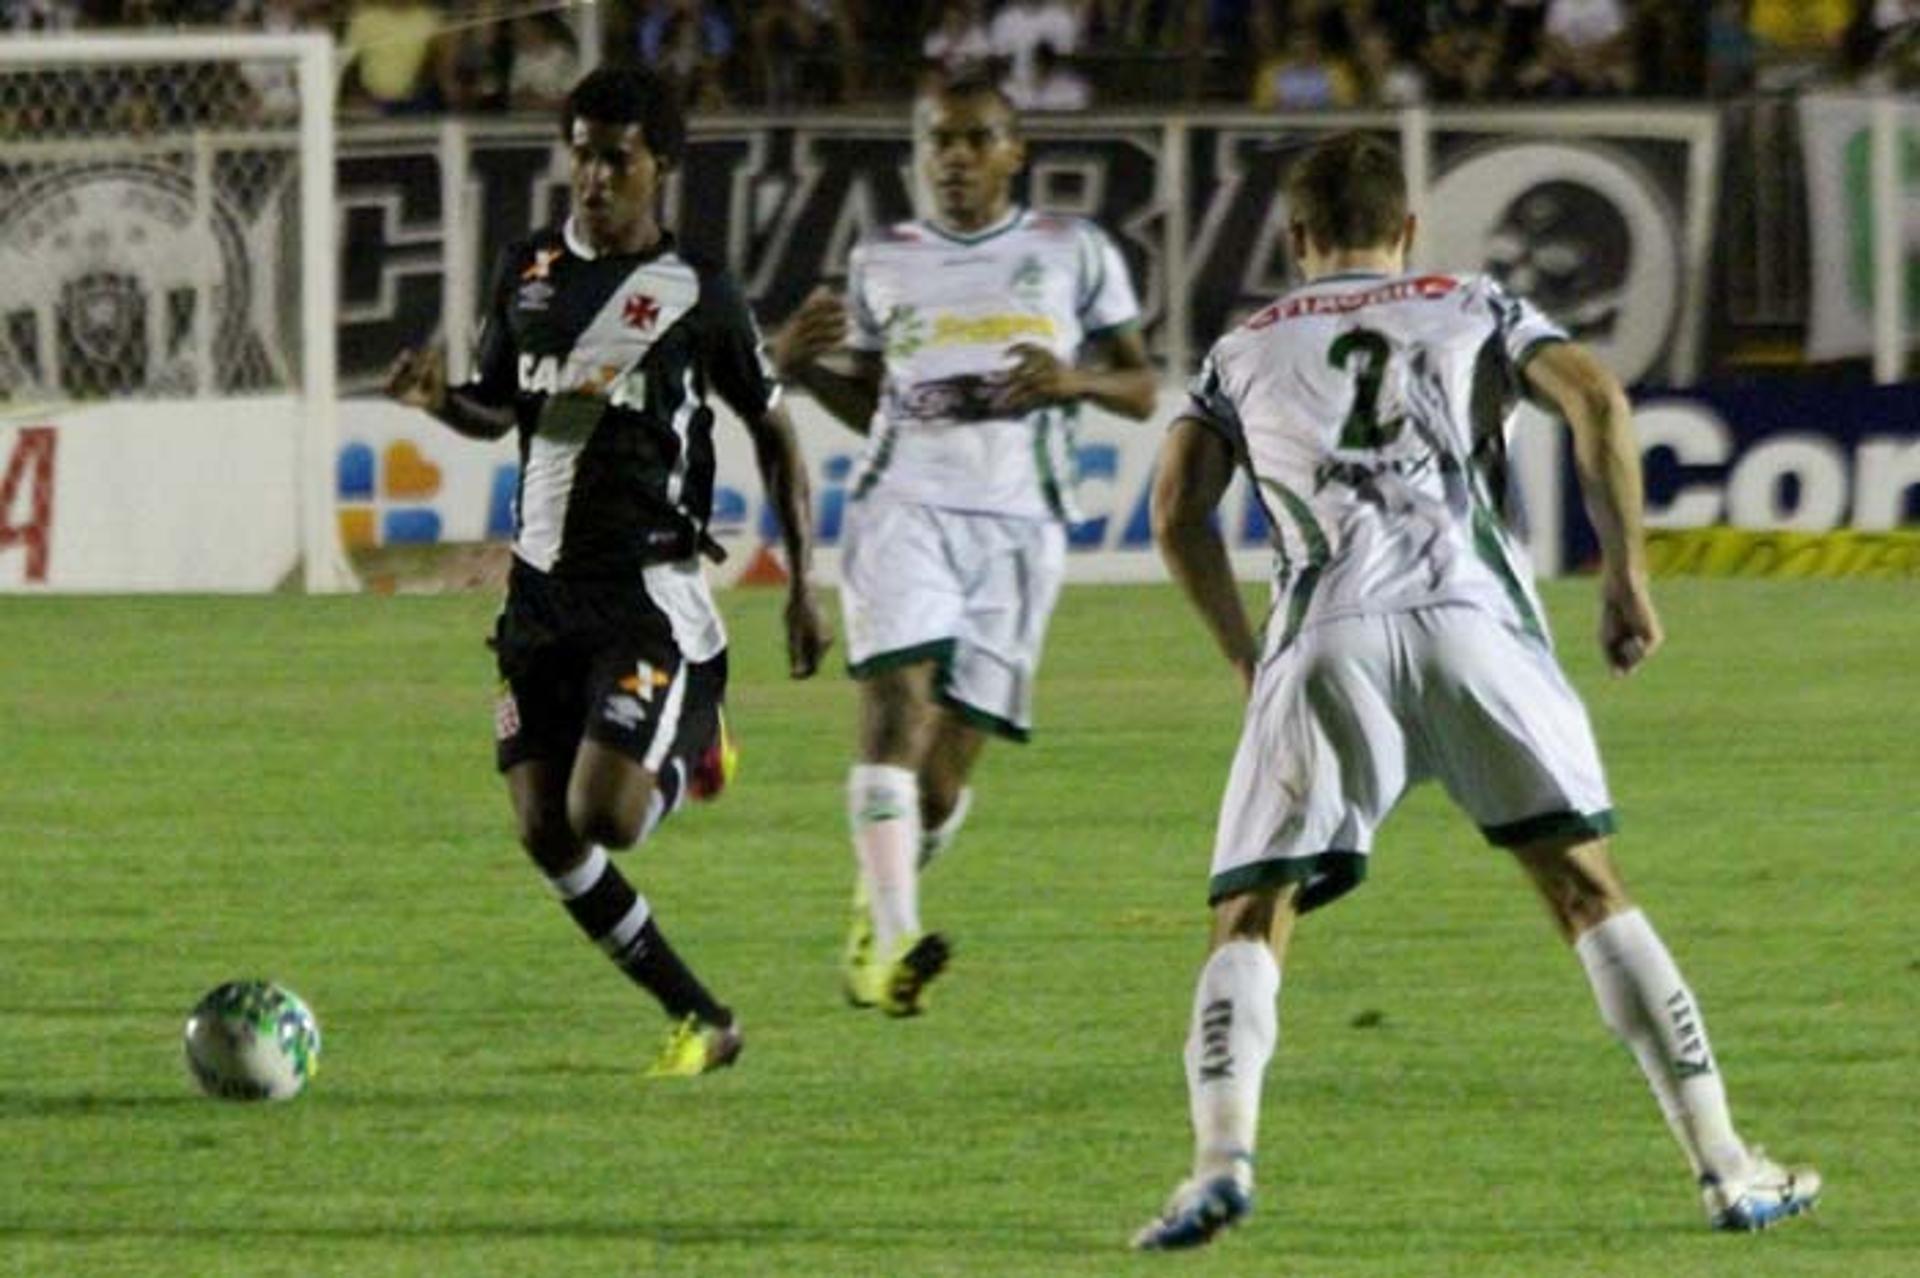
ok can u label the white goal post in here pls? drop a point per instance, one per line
(167, 312)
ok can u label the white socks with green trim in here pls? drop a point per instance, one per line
(1645, 1002)
(1235, 1026)
(883, 807)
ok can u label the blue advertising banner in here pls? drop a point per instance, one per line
(1787, 456)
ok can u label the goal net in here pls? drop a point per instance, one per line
(166, 305)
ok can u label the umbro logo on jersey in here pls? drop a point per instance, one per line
(645, 678)
(640, 311)
(625, 712)
(534, 295)
(542, 264)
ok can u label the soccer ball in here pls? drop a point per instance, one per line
(252, 1040)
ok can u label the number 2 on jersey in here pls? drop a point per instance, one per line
(1371, 351)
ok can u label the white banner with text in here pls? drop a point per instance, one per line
(185, 496)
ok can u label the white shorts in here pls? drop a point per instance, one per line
(1357, 710)
(970, 591)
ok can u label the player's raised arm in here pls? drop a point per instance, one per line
(1607, 457)
(1194, 469)
(819, 328)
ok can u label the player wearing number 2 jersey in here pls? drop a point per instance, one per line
(1374, 415)
(1369, 408)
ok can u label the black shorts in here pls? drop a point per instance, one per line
(597, 661)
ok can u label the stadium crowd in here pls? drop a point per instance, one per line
(426, 56)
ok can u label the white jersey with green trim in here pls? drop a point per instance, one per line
(1371, 413)
(946, 311)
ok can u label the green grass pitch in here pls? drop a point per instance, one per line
(199, 789)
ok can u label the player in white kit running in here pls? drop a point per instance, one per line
(1369, 409)
(973, 336)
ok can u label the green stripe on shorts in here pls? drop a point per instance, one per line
(1552, 825)
(974, 716)
(1324, 876)
(939, 650)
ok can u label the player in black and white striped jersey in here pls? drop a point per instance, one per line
(601, 347)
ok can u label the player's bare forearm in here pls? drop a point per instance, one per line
(851, 396)
(1114, 373)
(1606, 453)
(470, 417)
(1194, 469)
(418, 379)
(1197, 559)
(1130, 392)
(783, 473)
(1118, 376)
(1607, 458)
(817, 329)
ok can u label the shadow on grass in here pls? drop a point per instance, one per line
(627, 1069)
(732, 1233)
(103, 1011)
(32, 1105)
(28, 1105)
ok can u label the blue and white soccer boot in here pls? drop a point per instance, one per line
(1199, 1209)
(1767, 1194)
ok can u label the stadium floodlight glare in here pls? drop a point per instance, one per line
(167, 238)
